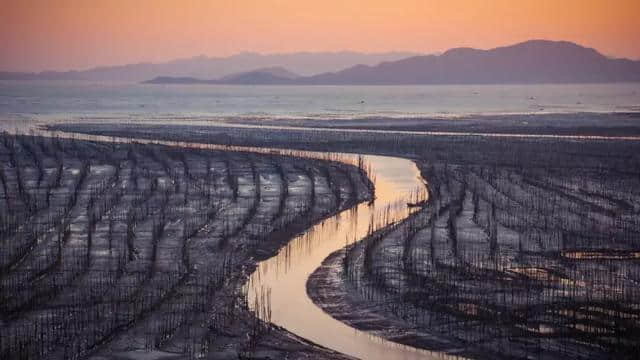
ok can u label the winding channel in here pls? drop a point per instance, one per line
(285, 275)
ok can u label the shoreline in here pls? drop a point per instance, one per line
(580, 124)
(573, 126)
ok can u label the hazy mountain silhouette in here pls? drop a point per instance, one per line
(203, 67)
(535, 61)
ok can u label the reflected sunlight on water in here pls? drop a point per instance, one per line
(286, 274)
(277, 289)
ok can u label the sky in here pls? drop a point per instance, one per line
(40, 35)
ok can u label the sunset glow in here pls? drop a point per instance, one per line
(66, 34)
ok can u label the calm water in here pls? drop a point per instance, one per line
(285, 275)
(64, 100)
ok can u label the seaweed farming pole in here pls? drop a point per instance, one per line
(284, 276)
(346, 158)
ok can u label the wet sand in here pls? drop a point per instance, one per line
(621, 124)
(567, 155)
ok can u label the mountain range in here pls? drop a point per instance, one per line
(203, 67)
(530, 62)
(534, 61)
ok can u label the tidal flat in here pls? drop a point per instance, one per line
(129, 250)
(526, 246)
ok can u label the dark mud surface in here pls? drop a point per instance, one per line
(525, 249)
(326, 288)
(116, 251)
(502, 262)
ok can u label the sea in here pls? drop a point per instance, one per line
(107, 101)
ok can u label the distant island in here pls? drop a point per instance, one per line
(530, 62)
(272, 75)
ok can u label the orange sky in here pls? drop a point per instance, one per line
(64, 34)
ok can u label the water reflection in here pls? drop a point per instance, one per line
(286, 274)
(277, 289)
